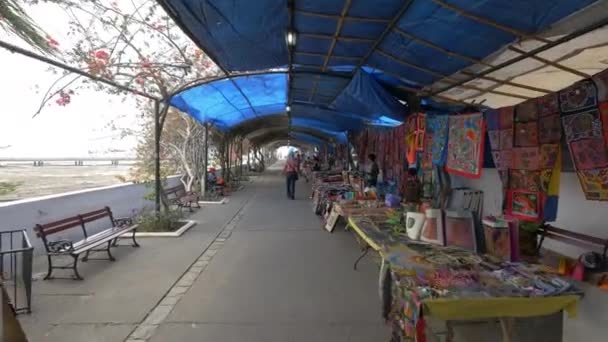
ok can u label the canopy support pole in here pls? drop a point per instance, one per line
(348, 156)
(157, 180)
(249, 157)
(205, 161)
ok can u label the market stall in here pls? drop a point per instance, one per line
(444, 257)
(420, 280)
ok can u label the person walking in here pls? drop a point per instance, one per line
(290, 170)
(373, 172)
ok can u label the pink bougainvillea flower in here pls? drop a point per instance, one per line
(140, 81)
(52, 42)
(64, 97)
(102, 54)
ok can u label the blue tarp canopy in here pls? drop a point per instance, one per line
(351, 58)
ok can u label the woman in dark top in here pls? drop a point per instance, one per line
(374, 171)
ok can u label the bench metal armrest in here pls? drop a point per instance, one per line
(123, 222)
(60, 246)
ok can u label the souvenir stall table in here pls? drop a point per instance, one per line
(420, 280)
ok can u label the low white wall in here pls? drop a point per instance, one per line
(124, 200)
(574, 212)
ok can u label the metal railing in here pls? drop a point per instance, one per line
(16, 256)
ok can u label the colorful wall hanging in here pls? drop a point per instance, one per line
(465, 145)
(584, 121)
(437, 127)
(525, 143)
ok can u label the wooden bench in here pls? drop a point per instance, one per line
(63, 247)
(181, 198)
(577, 239)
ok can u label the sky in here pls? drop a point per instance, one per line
(76, 130)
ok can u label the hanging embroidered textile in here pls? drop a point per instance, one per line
(584, 121)
(465, 145)
(437, 127)
(525, 143)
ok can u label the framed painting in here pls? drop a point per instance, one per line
(524, 205)
(433, 230)
(460, 229)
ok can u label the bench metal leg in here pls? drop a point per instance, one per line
(50, 268)
(135, 244)
(86, 257)
(365, 251)
(110, 256)
(75, 267)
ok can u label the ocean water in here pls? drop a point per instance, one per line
(57, 178)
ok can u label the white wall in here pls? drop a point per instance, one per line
(124, 200)
(574, 212)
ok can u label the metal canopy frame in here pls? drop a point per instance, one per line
(436, 88)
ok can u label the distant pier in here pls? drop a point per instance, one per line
(40, 162)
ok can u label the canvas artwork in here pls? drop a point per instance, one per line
(547, 105)
(525, 205)
(465, 145)
(506, 139)
(526, 111)
(594, 183)
(438, 125)
(549, 129)
(526, 134)
(502, 159)
(589, 153)
(526, 158)
(498, 240)
(505, 117)
(460, 229)
(524, 180)
(579, 96)
(548, 155)
(582, 125)
(433, 230)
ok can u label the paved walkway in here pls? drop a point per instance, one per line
(257, 269)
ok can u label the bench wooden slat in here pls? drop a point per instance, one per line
(100, 238)
(570, 241)
(53, 228)
(572, 238)
(575, 235)
(95, 212)
(72, 219)
(95, 217)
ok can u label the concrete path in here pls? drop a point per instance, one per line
(257, 269)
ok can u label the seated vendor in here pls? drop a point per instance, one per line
(373, 171)
(316, 165)
(211, 177)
